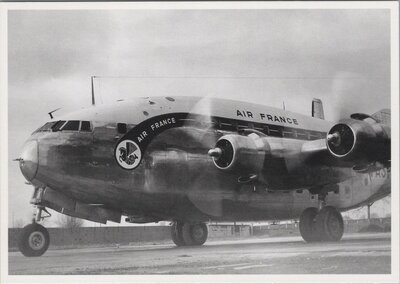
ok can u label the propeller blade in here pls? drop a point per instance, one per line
(205, 181)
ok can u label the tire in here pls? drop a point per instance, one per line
(176, 234)
(187, 235)
(34, 240)
(199, 233)
(308, 226)
(195, 234)
(330, 225)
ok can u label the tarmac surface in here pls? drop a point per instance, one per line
(355, 254)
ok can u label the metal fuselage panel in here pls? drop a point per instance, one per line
(176, 179)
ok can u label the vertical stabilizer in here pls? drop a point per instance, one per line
(317, 109)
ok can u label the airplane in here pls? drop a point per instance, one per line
(192, 160)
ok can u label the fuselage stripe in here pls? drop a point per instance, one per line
(141, 135)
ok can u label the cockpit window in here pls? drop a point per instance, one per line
(46, 127)
(85, 126)
(57, 126)
(71, 125)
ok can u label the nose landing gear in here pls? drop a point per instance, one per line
(34, 239)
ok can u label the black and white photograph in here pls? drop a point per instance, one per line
(200, 142)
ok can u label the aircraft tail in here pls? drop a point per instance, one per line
(317, 109)
(383, 116)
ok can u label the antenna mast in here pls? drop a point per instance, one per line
(93, 100)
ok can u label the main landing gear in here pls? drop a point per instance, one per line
(321, 225)
(34, 239)
(189, 234)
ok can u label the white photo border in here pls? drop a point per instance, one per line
(329, 278)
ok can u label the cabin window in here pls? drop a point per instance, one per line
(215, 123)
(85, 126)
(58, 125)
(121, 128)
(240, 127)
(301, 134)
(275, 131)
(288, 134)
(72, 125)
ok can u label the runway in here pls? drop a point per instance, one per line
(355, 254)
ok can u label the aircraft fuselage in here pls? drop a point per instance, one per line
(165, 172)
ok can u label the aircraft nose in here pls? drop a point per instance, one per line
(29, 160)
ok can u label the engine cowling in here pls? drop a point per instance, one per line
(239, 153)
(359, 141)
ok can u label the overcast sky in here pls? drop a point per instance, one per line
(270, 56)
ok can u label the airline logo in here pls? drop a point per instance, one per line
(132, 146)
(128, 154)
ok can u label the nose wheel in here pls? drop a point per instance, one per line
(34, 239)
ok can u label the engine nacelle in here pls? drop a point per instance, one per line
(241, 154)
(359, 141)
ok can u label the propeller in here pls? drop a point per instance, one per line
(222, 153)
(200, 117)
(340, 139)
(201, 127)
(216, 153)
(334, 139)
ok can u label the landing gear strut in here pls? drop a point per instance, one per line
(321, 225)
(189, 234)
(34, 239)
